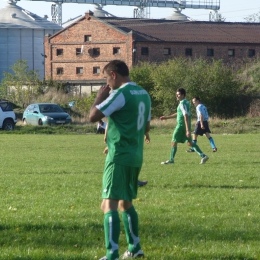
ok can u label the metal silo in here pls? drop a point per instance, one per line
(22, 37)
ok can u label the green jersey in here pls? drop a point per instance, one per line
(182, 110)
(128, 109)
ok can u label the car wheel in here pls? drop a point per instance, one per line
(8, 125)
(24, 121)
(40, 122)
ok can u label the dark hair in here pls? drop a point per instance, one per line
(117, 66)
(182, 91)
(197, 98)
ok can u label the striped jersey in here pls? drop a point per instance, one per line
(128, 109)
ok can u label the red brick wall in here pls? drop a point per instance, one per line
(198, 50)
(103, 37)
(106, 37)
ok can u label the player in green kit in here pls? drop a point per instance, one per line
(182, 132)
(128, 109)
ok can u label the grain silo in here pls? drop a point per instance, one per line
(22, 37)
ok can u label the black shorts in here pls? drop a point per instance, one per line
(199, 131)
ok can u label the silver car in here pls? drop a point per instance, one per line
(45, 114)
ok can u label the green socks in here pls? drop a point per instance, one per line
(197, 149)
(112, 231)
(130, 220)
(173, 152)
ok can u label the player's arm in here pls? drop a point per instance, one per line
(186, 120)
(94, 113)
(201, 121)
(168, 117)
(105, 140)
(146, 135)
(105, 136)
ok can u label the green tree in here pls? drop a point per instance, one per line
(216, 85)
(83, 105)
(212, 81)
(168, 77)
(22, 85)
(142, 75)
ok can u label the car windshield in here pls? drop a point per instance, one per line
(49, 108)
(6, 106)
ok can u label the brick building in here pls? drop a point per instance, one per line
(78, 53)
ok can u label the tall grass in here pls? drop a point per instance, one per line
(50, 187)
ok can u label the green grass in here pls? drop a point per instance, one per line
(50, 187)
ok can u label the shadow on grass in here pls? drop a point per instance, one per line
(51, 234)
(218, 186)
(57, 238)
(199, 186)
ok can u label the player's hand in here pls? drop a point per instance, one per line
(202, 126)
(105, 150)
(103, 92)
(147, 138)
(188, 134)
(162, 118)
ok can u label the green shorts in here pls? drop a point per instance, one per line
(179, 135)
(120, 182)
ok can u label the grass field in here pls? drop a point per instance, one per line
(50, 187)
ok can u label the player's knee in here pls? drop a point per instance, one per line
(102, 207)
(124, 205)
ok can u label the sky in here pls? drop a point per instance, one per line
(231, 10)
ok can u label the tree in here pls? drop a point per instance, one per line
(22, 85)
(142, 75)
(212, 81)
(253, 18)
(168, 77)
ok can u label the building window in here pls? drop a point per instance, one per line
(79, 70)
(144, 51)
(96, 51)
(210, 52)
(251, 53)
(188, 52)
(78, 51)
(87, 38)
(59, 52)
(116, 50)
(96, 70)
(167, 51)
(59, 71)
(231, 52)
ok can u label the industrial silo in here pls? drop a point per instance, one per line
(22, 37)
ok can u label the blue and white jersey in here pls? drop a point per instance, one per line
(202, 110)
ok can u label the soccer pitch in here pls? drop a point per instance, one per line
(50, 187)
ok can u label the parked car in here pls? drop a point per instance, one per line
(7, 116)
(45, 114)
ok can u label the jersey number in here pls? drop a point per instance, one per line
(140, 119)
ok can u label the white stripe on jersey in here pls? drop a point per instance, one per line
(117, 104)
(184, 109)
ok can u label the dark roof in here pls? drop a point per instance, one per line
(187, 31)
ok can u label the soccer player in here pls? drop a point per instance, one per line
(101, 127)
(128, 108)
(202, 126)
(182, 132)
(140, 183)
